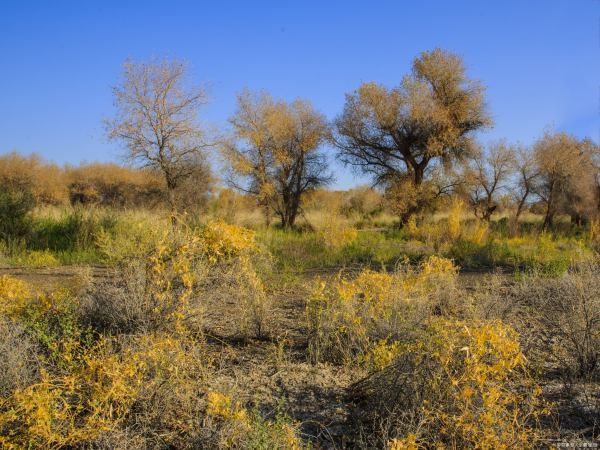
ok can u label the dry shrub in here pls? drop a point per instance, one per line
(19, 365)
(563, 318)
(31, 173)
(235, 260)
(363, 201)
(149, 387)
(113, 185)
(239, 428)
(457, 385)
(335, 232)
(349, 318)
(169, 284)
(152, 293)
(239, 283)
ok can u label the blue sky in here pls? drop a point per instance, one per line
(540, 60)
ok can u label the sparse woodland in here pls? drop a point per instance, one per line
(164, 304)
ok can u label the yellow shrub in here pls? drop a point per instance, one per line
(132, 237)
(474, 389)
(594, 231)
(222, 406)
(349, 318)
(241, 429)
(97, 396)
(14, 295)
(39, 259)
(369, 287)
(222, 241)
(479, 232)
(407, 443)
(334, 232)
(381, 355)
(454, 218)
(436, 265)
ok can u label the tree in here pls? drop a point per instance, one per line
(567, 177)
(487, 175)
(156, 120)
(403, 132)
(274, 149)
(526, 171)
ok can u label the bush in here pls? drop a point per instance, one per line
(564, 318)
(151, 294)
(37, 258)
(15, 213)
(239, 428)
(347, 319)
(107, 391)
(19, 366)
(457, 385)
(335, 232)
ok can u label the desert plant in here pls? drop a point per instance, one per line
(151, 293)
(457, 385)
(106, 391)
(240, 428)
(19, 365)
(15, 213)
(564, 315)
(348, 318)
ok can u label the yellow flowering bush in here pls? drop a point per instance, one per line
(243, 429)
(334, 232)
(467, 386)
(221, 241)
(14, 295)
(348, 318)
(100, 395)
(37, 258)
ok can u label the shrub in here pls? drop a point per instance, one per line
(113, 185)
(348, 317)
(19, 366)
(221, 241)
(130, 238)
(32, 174)
(152, 293)
(109, 391)
(14, 296)
(36, 258)
(240, 428)
(335, 233)
(458, 385)
(15, 213)
(564, 318)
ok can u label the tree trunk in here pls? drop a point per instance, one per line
(549, 217)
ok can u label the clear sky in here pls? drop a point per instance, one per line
(540, 60)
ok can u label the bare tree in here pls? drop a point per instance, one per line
(156, 120)
(487, 175)
(400, 133)
(274, 153)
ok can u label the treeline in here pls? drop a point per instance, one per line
(105, 184)
(417, 141)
